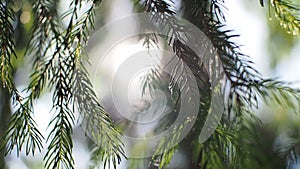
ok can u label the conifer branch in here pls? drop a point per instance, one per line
(58, 64)
(288, 15)
(7, 45)
(45, 35)
(22, 130)
(97, 123)
(245, 81)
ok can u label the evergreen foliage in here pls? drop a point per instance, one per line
(59, 65)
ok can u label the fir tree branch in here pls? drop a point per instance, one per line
(242, 76)
(61, 70)
(22, 130)
(288, 15)
(7, 47)
(96, 119)
(217, 7)
(97, 122)
(246, 83)
(59, 154)
(163, 15)
(45, 35)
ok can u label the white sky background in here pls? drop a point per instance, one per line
(252, 27)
